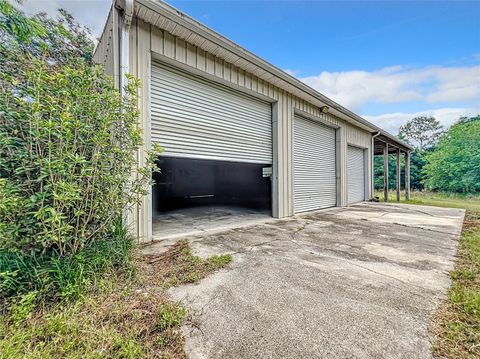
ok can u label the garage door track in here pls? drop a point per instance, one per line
(357, 282)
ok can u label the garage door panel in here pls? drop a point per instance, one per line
(355, 174)
(200, 131)
(313, 165)
(195, 118)
(185, 100)
(197, 87)
(193, 144)
(202, 122)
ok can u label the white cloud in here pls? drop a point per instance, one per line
(434, 84)
(455, 84)
(90, 13)
(447, 116)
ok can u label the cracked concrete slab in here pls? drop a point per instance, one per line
(357, 282)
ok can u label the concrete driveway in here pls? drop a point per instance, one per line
(357, 282)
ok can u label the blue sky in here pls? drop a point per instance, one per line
(339, 36)
(386, 60)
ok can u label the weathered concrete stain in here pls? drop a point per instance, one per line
(358, 282)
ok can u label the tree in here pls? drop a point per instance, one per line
(423, 132)
(455, 163)
(58, 42)
(417, 161)
(392, 174)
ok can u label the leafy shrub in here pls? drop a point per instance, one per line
(68, 141)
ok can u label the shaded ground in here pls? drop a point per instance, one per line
(356, 282)
(195, 220)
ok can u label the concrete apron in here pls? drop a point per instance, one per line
(357, 282)
(204, 220)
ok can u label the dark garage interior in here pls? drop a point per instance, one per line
(210, 190)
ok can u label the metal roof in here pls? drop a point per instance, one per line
(165, 16)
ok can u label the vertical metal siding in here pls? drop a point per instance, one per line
(107, 50)
(356, 174)
(194, 118)
(313, 166)
(163, 43)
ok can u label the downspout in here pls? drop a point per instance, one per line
(127, 8)
(124, 47)
(372, 182)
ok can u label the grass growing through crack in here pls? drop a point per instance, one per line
(127, 314)
(456, 325)
(179, 266)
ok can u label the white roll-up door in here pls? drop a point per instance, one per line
(314, 167)
(356, 174)
(195, 118)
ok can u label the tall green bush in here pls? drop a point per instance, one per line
(68, 139)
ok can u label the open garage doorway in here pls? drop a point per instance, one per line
(192, 195)
(217, 160)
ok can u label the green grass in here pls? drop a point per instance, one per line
(438, 199)
(180, 266)
(54, 278)
(457, 323)
(38, 279)
(120, 319)
(190, 268)
(170, 315)
(122, 314)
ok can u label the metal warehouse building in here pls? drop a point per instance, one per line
(236, 130)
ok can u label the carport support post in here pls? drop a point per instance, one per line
(385, 172)
(398, 175)
(407, 176)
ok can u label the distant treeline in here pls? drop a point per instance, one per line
(442, 160)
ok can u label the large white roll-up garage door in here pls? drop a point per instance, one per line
(195, 118)
(314, 167)
(356, 174)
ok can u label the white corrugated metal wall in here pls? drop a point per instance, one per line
(147, 41)
(106, 52)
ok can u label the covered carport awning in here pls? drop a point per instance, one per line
(381, 140)
(386, 145)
